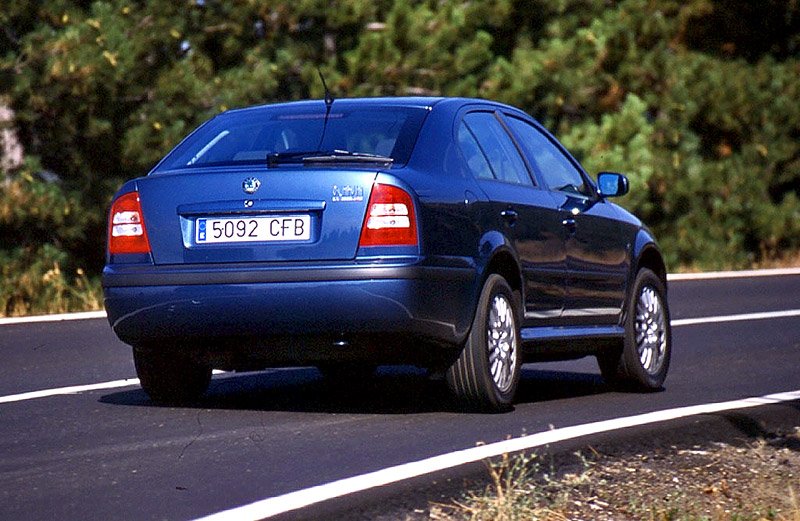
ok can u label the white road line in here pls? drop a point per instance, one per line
(302, 498)
(52, 318)
(74, 389)
(735, 318)
(733, 274)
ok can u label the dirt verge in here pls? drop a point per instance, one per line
(756, 480)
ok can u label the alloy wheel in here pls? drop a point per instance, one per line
(501, 342)
(651, 330)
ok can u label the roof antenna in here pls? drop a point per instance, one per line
(328, 95)
(328, 105)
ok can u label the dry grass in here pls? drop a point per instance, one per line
(720, 482)
(785, 260)
(45, 288)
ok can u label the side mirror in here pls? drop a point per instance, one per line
(612, 184)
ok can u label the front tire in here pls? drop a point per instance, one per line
(170, 376)
(486, 374)
(644, 359)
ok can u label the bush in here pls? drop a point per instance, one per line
(41, 227)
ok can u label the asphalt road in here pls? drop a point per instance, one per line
(111, 454)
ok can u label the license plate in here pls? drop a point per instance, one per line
(254, 229)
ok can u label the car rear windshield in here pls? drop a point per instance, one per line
(251, 136)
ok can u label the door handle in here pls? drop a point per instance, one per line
(510, 216)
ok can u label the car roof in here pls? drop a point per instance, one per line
(427, 102)
(421, 102)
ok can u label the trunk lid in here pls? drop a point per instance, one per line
(255, 215)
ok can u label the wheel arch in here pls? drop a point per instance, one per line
(500, 259)
(504, 264)
(648, 255)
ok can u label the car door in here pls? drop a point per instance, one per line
(596, 242)
(523, 212)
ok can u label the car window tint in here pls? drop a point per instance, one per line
(476, 160)
(498, 148)
(556, 169)
(249, 136)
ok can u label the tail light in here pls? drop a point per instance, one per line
(126, 230)
(390, 219)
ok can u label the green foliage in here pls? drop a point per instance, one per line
(696, 100)
(427, 48)
(620, 141)
(42, 224)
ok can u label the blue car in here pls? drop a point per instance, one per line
(452, 234)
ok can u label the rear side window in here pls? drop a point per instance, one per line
(249, 136)
(489, 151)
(552, 165)
(476, 159)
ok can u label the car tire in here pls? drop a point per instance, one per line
(486, 374)
(643, 361)
(169, 376)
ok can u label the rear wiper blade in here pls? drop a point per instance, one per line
(345, 156)
(289, 157)
(326, 157)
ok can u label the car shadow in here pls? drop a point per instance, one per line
(539, 385)
(394, 390)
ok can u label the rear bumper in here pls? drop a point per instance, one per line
(258, 304)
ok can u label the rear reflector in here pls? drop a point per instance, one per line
(126, 230)
(390, 219)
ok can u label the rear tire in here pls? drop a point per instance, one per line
(170, 376)
(486, 374)
(644, 359)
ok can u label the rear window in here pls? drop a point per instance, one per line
(250, 136)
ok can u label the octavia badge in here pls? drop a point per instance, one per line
(250, 185)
